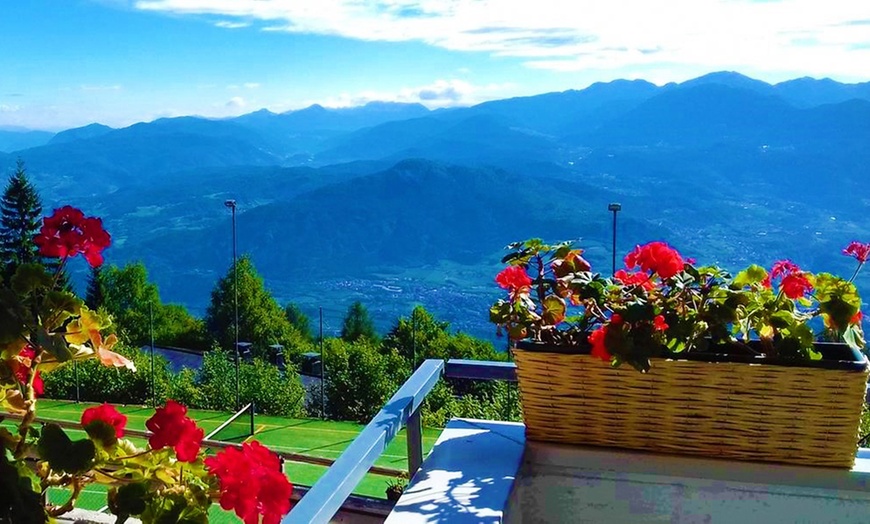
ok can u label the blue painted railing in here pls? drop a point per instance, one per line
(326, 497)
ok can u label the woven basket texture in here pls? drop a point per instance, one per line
(738, 411)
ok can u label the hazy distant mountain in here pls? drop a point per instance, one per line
(80, 133)
(731, 79)
(12, 140)
(709, 113)
(726, 168)
(137, 154)
(554, 113)
(809, 92)
(304, 131)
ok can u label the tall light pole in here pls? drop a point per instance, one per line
(615, 207)
(232, 205)
(151, 323)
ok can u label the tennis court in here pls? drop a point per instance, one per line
(311, 437)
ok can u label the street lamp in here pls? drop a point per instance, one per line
(232, 205)
(615, 207)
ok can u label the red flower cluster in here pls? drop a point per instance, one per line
(596, 340)
(858, 250)
(251, 483)
(638, 278)
(68, 232)
(656, 257)
(795, 283)
(170, 426)
(783, 268)
(659, 323)
(108, 414)
(21, 369)
(513, 278)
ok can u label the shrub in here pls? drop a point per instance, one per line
(98, 383)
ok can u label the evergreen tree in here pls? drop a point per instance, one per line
(261, 319)
(94, 294)
(20, 220)
(357, 324)
(299, 320)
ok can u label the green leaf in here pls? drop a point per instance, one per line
(854, 337)
(63, 454)
(55, 344)
(781, 319)
(129, 499)
(102, 433)
(29, 278)
(61, 305)
(751, 275)
(554, 310)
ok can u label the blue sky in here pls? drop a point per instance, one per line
(68, 63)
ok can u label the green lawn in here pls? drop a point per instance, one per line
(304, 436)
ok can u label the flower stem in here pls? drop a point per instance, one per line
(30, 405)
(857, 269)
(55, 511)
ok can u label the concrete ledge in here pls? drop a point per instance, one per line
(467, 477)
(84, 516)
(576, 484)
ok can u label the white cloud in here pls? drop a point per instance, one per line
(438, 94)
(795, 35)
(6, 108)
(231, 25)
(236, 102)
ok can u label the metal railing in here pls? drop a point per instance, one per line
(326, 497)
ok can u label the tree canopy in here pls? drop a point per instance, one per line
(261, 320)
(20, 220)
(134, 302)
(358, 324)
(298, 320)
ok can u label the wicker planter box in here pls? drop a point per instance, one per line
(735, 407)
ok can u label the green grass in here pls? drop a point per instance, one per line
(312, 437)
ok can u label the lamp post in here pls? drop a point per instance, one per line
(232, 205)
(151, 324)
(322, 366)
(615, 207)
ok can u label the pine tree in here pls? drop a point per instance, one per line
(20, 220)
(357, 324)
(261, 319)
(298, 320)
(94, 296)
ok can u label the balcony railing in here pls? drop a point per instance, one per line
(329, 493)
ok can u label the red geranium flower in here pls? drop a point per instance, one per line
(659, 323)
(68, 232)
(21, 369)
(656, 257)
(108, 414)
(638, 278)
(857, 318)
(513, 278)
(858, 250)
(251, 483)
(783, 268)
(599, 349)
(171, 427)
(796, 285)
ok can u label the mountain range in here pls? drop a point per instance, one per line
(394, 204)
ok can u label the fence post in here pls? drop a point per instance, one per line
(414, 435)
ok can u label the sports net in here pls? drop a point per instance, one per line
(236, 428)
